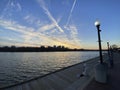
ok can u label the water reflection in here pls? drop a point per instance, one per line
(17, 67)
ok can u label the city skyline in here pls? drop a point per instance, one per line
(69, 23)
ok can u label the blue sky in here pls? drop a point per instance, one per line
(59, 22)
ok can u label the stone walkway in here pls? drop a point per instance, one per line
(113, 77)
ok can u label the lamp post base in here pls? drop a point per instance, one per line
(101, 70)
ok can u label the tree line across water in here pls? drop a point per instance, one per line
(39, 49)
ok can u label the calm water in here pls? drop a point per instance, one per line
(18, 67)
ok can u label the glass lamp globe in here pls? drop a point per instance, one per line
(97, 23)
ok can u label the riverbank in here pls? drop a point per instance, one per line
(42, 49)
(113, 82)
(64, 79)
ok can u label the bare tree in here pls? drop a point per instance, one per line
(114, 47)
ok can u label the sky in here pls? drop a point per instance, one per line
(59, 22)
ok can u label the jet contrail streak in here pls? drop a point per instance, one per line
(71, 12)
(49, 15)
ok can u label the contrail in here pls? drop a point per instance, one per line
(49, 15)
(71, 12)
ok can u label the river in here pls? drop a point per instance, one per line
(17, 67)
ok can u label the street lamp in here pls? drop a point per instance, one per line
(110, 55)
(100, 68)
(108, 49)
(97, 24)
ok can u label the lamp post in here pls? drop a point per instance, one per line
(97, 24)
(108, 49)
(110, 55)
(100, 68)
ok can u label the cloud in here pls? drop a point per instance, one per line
(47, 27)
(41, 33)
(73, 29)
(11, 25)
(10, 8)
(41, 27)
(13, 4)
(36, 38)
(69, 17)
(74, 34)
(19, 6)
(30, 19)
(27, 17)
(42, 4)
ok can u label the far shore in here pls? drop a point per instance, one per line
(56, 51)
(43, 49)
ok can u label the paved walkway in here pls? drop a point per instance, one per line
(113, 77)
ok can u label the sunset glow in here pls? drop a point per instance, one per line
(68, 23)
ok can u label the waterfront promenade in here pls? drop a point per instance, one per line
(113, 77)
(64, 79)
